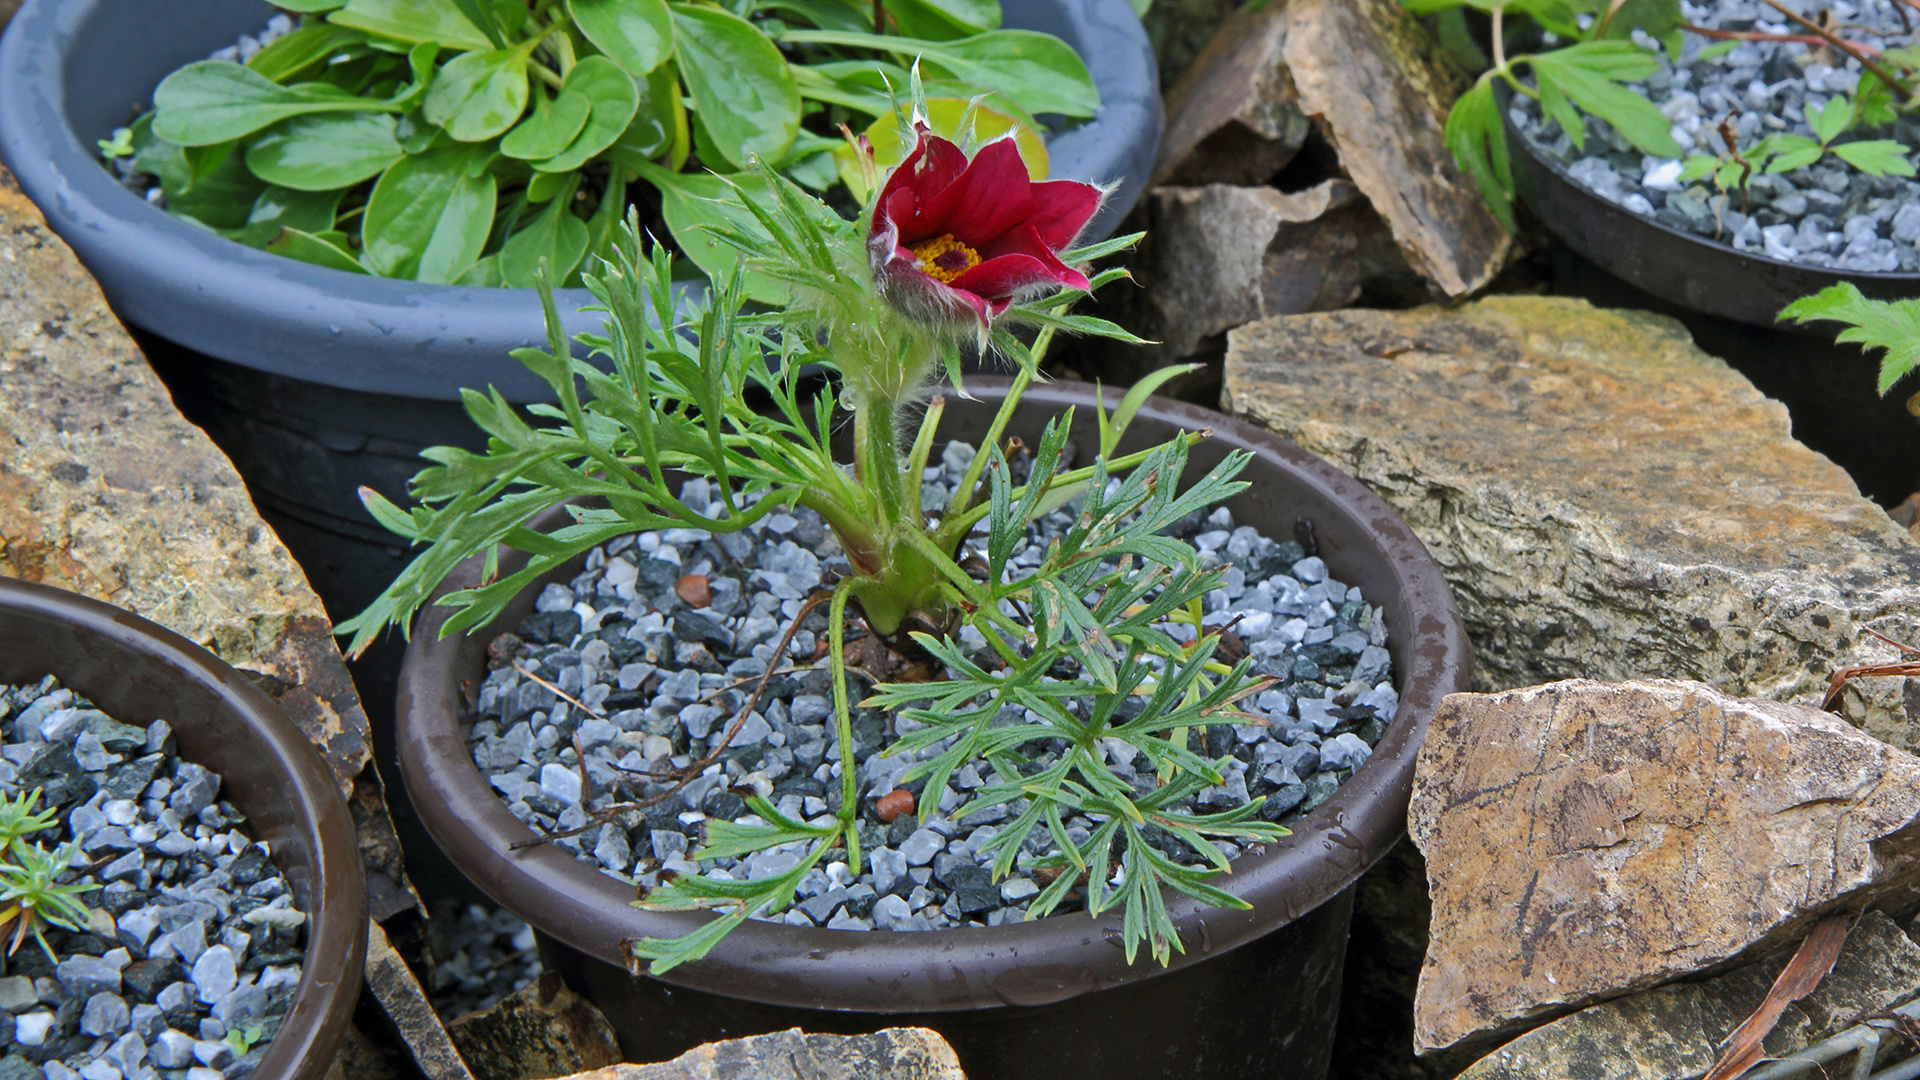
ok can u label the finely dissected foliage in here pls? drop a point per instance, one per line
(1892, 325)
(468, 141)
(31, 896)
(675, 398)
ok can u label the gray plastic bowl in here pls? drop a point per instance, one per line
(73, 70)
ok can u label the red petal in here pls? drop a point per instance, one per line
(993, 195)
(1007, 275)
(932, 167)
(1061, 208)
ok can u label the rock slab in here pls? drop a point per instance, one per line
(106, 491)
(1673, 1032)
(1377, 85)
(1587, 839)
(1218, 256)
(891, 1054)
(540, 1031)
(1605, 499)
(1234, 117)
(1378, 91)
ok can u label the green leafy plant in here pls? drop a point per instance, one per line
(32, 896)
(471, 141)
(1889, 325)
(1780, 153)
(1590, 75)
(883, 304)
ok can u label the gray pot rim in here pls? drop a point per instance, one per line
(355, 332)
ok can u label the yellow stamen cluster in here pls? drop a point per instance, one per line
(944, 258)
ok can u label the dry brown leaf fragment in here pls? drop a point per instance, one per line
(1800, 977)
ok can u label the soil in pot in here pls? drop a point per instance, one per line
(1827, 213)
(197, 944)
(640, 665)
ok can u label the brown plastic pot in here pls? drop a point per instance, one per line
(137, 673)
(1256, 993)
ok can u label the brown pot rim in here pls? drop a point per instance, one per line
(318, 850)
(1033, 963)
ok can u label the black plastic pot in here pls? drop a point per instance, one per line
(1728, 299)
(138, 672)
(1256, 994)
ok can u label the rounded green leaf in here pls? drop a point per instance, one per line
(290, 54)
(1039, 71)
(320, 153)
(741, 86)
(549, 128)
(428, 217)
(478, 95)
(216, 101)
(299, 244)
(635, 34)
(557, 236)
(942, 20)
(413, 20)
(280, 208)
(614, 98)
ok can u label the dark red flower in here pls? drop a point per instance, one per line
(957, 240)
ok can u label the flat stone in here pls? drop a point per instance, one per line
(1606, 500)
(540, 1030)
(1585, 839)
(1674, 1031)
(1234, 117)
(1373, 81)
(107, 491)
(905, 1053)
(404, 1001)
(1218, 256)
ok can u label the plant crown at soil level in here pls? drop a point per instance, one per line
(675, 398)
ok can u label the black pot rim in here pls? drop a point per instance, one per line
(282, 316)
(1703, 274)
(326, 859)
(1033, 963)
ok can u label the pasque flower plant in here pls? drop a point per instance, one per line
(956, 251)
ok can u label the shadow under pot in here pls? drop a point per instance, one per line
(137, 673)
(1256, 992)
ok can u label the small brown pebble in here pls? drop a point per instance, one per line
(895, 803)
(693, 590)
(501, 650)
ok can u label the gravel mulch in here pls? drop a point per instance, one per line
(480, 955)
(1827, 214)
(196, 946)
(638, 662)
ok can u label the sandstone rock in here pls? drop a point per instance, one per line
(1179, 30)
(893, 1054)
(393, 985)
(1586, 839)
(1234, 118)
(1605, 499)
(1673, 1032)
(106, 491)
(1376, 84)
(1219, 256)
(541, 1031)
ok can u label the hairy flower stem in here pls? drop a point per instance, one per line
(843, 724)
